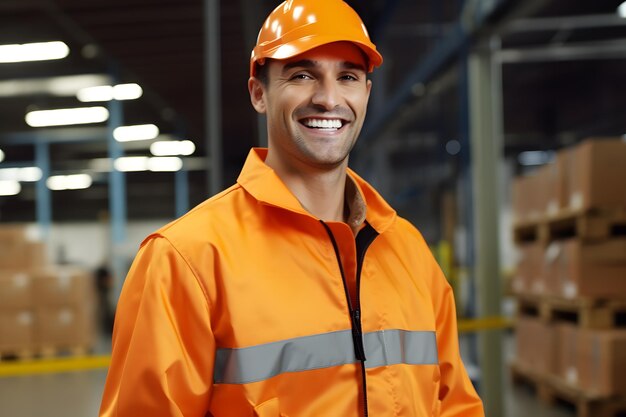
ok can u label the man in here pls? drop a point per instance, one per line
(298, 291)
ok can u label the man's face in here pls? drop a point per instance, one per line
(315, 104)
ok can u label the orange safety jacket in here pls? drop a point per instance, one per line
(250, 306)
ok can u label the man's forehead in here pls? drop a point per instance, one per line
(345, 54)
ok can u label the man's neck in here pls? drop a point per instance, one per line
(321, 192)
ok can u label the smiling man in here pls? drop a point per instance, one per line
(298, 291)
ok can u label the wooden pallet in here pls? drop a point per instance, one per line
(17, 354)
(551, 388)
(586, 313)
(45, 352)
(591, 225)
(55, 351)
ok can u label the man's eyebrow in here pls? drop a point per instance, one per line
(308, 64)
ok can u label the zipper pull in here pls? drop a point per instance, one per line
(357, 336)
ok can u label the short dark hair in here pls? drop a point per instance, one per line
(262, 73)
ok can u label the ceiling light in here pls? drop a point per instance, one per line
(8, 187)
(165, 164)
(26, 174)
(136, 132)
(29, 174)
(172, 148)
(40, 51)
(131, 163)
(108, 93)
(64, 117)
(144, 163)
(621, 10)
(453, 147)
(63, 86)
(530, 158)
(69, 182)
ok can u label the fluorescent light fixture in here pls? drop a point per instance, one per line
(136, 132)
(144, 163)
(64, 86)
(9, 187)
(131, 163)
(69, 182)
(172, 148)
(1, 155)
(40, 51)
(108, 93)
(621, 10)
(64, 117)
(165, 164)
(29, 174)
(530, 158)
(26, 174)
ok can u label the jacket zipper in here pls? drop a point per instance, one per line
(363, 240)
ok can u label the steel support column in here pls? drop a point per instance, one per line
(182, 191)
(486, 154)
(117, 198)
(44, 197)
(213, 93)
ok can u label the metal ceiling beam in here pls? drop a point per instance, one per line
(476, 14)
(59, 135)
(613, 49)
(545, 24)
(474, 18)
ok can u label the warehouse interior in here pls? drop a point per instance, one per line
(495, 126)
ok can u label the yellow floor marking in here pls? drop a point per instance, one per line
(53, 365)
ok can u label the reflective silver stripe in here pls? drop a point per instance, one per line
(390, 347)
(385, 347)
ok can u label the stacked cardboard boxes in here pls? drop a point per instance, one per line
(575, 209)
(43, 307)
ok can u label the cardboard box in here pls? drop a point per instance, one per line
(16, 233)
(62, 327)
(574, 268)
(595, 174)
(567, 348)
(17, 331)
(21, 254)
(602, 361)
(62, 286)
(528, 274)
(536, 344)
(15, 290)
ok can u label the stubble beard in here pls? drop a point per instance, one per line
(329, 156)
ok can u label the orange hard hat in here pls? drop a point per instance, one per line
(297, 26)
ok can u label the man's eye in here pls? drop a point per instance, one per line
(349, 77)
(301, 77)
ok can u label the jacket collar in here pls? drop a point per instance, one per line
(264, 185)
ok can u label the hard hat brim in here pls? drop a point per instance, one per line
(302, 45)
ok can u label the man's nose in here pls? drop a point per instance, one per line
(326, 94)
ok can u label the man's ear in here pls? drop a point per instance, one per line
(257, 94)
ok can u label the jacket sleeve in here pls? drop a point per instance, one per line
(163, 346)
(457, 396)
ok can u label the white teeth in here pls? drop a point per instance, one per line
(323, 123)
